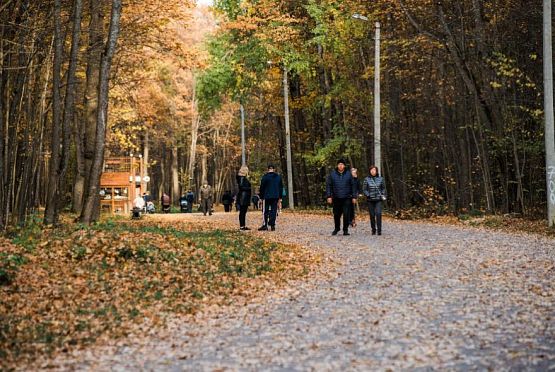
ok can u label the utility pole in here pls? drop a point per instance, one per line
(243, 151)
(377, 103)
(288, 140)
(548, 109)
(377, 94)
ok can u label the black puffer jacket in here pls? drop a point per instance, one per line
(244, 194)
(374, 188)
(340, 185)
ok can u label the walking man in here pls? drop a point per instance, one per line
(190, 200)
(206, 196)
(341, 193)
(270, 193)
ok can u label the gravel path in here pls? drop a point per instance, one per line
(422, 296)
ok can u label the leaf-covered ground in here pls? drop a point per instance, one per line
(64, 288)
(421, 297)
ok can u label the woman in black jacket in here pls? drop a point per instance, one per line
(374, 189)
(243, 196)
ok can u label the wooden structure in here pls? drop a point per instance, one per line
(122, 180)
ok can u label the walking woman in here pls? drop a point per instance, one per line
(374, 189)
(357, 190)
(243, 196)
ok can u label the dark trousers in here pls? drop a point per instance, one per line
(207, 206)
(270, 211)
(342, 207)
(227, 207)
(352, 213)
(375, 209)
(243, 215)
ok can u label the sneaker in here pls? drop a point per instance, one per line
(335, 232)
(263, 228)
(273, 228)
(346, 233)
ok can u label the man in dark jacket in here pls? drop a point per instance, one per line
(190, 200)
(227, 200)
(271, 186)
(341, 193)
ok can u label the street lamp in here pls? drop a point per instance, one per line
(287, 138)
(243, 150)
(377, 94)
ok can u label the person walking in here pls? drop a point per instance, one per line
(165, 200)
(206, 196)
(374, 189)
(270, 193)
(227, 201)
(352, 214)
(255, 201)
(243, 196)
(191, 200)
(341, 193)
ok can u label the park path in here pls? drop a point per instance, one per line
(422, 296)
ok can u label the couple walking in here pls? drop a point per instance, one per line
(271, 187)
(342, 193)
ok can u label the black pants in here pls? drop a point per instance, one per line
(207, 206)
(243, 215)
(375, 209)
(227, 207)
(270, 211)
(342, 206)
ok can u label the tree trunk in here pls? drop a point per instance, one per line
(87, 126)
(51, 212)
(102, 117)
(175, 175)
(69, 105)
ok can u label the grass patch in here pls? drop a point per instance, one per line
(74, 285)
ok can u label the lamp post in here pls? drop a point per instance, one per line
(290, 196)
(548, 108)
(243, 150)
(377, 93)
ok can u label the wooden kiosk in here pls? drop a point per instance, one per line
(122, 180)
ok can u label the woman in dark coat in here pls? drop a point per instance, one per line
(357, 188)
(374, 189)
(243, 196)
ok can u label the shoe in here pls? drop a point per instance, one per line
(245, 228)
(379, 233)
(263, 228)
(346, 233)
(335, 232)
(373, 232)
(273, 228)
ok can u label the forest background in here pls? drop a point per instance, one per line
(462, 118)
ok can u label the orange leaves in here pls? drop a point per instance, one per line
(80, 285)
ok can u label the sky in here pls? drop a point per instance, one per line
(205, 2)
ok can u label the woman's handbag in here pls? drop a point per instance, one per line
(382, 196)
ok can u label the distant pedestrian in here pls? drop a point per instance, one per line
(255, 201)
(206, 197)
(352, 214)
(374, 189)
(243, 196)
(270, 193)
(190, 200)
(166, 203)
(341, 193)
(227, 201)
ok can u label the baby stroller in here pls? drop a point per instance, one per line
(136, 213)
(150, 208)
